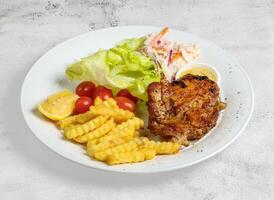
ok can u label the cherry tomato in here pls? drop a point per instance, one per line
(82, 104)
(85, 89)
(127, 94)
(125, 103)
(102, 92)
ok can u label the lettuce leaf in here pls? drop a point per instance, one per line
(121, 67)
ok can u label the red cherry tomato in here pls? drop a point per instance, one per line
(127, 94)
(125, 103)
(85, 89)
(102, 92)
(82, 104)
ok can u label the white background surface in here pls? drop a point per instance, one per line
(245, 170)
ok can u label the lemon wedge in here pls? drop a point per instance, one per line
(58, 106)
(201, 71)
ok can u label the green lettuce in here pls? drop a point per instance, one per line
(121, 67)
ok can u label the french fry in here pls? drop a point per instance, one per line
(76, 120)
(117, 141)
(129, 146)
(78, 130)
(109, 103)
(162, 147)
(118, 131)
(87, 116)
(69, 121)
(118, 114)
(130, 156)
(99, 132)
(124, 136)
(97, 101)
(136, 122)
(92, 142)
(101, 155)
(149, 153)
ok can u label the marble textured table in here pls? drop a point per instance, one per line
(29, 170)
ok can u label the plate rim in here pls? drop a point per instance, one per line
(169, 168)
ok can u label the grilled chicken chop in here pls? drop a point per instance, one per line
(185, 109)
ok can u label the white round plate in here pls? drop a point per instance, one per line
(47, 76)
